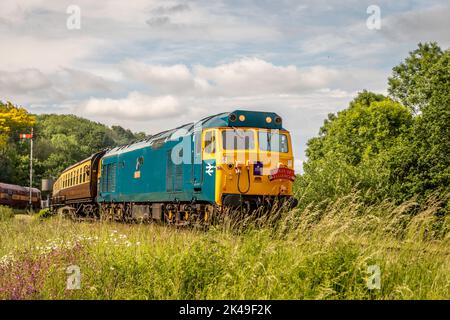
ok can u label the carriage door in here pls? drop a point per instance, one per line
(197, 172)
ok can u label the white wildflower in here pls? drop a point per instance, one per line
(6, 260)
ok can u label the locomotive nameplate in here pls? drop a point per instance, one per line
(282, 174)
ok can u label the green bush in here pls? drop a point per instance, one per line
(44, 213)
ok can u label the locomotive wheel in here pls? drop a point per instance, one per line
(169, 217)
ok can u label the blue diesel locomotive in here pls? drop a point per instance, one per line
(234, 159)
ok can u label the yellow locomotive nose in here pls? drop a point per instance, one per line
(252, 166)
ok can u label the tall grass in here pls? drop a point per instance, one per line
(313, 253)
(6, 213)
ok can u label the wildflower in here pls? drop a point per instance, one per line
(6, 260)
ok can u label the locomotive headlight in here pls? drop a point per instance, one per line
(232, 117)
(278, 120)
(242, 118)
(268, 119)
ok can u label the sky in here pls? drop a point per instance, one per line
(153, 65)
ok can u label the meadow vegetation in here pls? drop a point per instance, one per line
(6, 213)
(313, 253)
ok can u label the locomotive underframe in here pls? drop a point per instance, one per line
(176, 213)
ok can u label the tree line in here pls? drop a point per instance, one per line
(59, 141)
(393, 147)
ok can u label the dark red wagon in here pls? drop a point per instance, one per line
(19, 197)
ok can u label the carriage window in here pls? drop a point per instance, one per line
(210, 142)
(273, 141)
(238, 139)
(86, 173)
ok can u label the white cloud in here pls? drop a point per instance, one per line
(243, 77)
(247, 76)
(19, 52)
(22, 81)
(75, 82)
(135, 106)
(175, 77)
(32, 85)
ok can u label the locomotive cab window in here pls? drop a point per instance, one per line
(273, 141)
(210, 142)
(238, 139)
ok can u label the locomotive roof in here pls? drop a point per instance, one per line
(7, 186)
(256, 119)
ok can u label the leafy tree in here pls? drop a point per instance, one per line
(397, 147)
(352, 148)
(423, 163)
(63, 140)
(12, 120)
(121, 135)
(409, 82)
